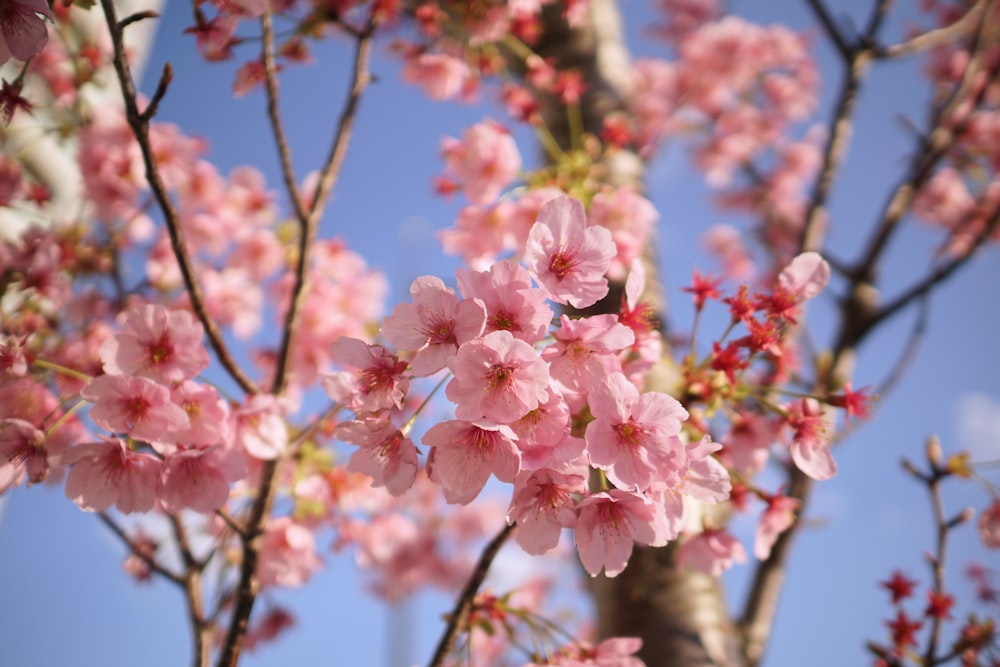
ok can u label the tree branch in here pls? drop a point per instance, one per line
(139, 553)
(139, 122)
(934, 38)
(831, 29)
(463, 605)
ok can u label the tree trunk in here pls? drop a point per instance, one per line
(679, 614)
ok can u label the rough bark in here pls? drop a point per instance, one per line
(681, 616)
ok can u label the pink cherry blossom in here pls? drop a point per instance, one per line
(512, 304)
(544, 504)
(436, 324)
(481, 233)
(989, 525)
(631, 219)
(208, 415)
(609, 523)
(568, 258)
(288, 554)
(22, 449)
(134, 405)
(776, 519)
(376, 383)
(108, 473)
(541, 431)
(585, 352)
(259, 427)
(163, 345)
(632, 435)
(498, 378)
(467, 453)
(442, 76)
(712, 552)
(198, 478)
(385, 454)
(810, 447)
(23, 32)
(485, 161)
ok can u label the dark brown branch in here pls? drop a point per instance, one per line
(933, 148)
(166, 76)
(201, 628)
(360, 79)
(247, 588)
(939, 275)
(934, 38)
(138, 552)
(140, 128)
(463, 605)
(836, 149)
(819, 9)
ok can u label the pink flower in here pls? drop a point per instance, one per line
(712, 552)
(630, 218)
(609, 523)
(208, 415)
(544, 504)
(134, 405)
(632, 436)
(810, 446)
(163, 345)
(376, 384)
(108, 473)
(198, 478)
(436, 324)
(568, 258)
(585, 352)
(776, 519)
(288, 554)
(260, 428)
(466, 454)
(512, 304)
(385, 454)
(22, 31)
(989, 525)
(497, 378)
(440, 75)
(22, 448)
(485, 161)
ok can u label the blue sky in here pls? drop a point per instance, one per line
(63, 599)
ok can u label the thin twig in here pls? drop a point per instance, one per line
(246, 590)
(913, 342)
(937, 560)
(939, 275)
(200, 627)
(934, 38)
(137, 551)
(329, 173)
(463, 605)
(938, 140)
(831, 28)
(140, 128)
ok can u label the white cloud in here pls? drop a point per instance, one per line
(978, 427)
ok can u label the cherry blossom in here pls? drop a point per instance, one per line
(485, 161)
(385, 454)
(810, 447)
(107, 473)
(467, 453)
(776, 519)
(288, 554)
(23, 32)
(134, 405)
(163, 345)
(609, 523)
(989, 525)
(22, 449)
(259, 426)
(566, 256)
(498, 378)
(631, 435)
(712, 552)
(543, 504)
(512, 304)
(198, 478)
(585, 352)
(435, 324)
(376, 383)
